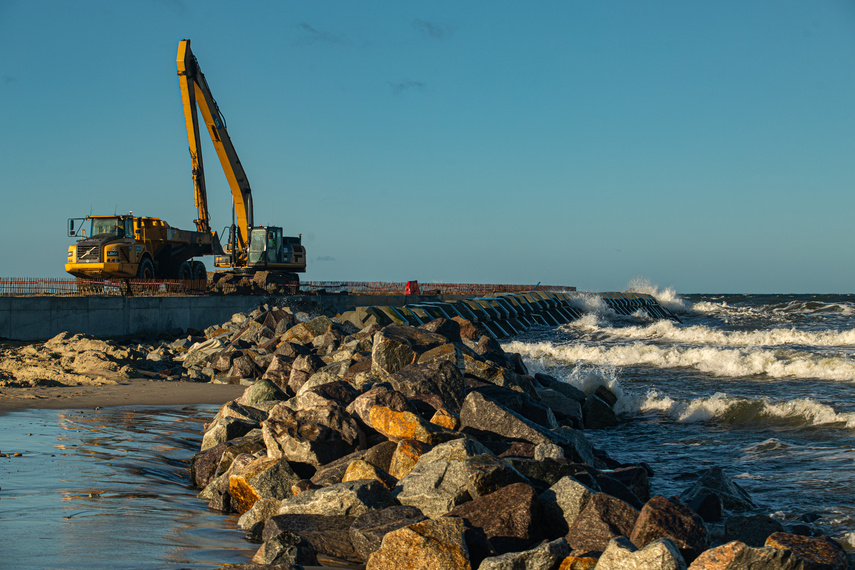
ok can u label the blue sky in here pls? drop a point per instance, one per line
(705, 146)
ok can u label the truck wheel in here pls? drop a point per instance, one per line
(185, 272)
(200, 273)
(145, 269)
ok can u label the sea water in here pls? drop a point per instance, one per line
(761, 385)
(109, 488)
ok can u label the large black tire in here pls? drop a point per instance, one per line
(146, 269)
(200, 273)
(185, 272)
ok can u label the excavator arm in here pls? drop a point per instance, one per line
(196, 93)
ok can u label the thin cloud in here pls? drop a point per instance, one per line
(324, 258)
(312, 35)
(399, 87)
(434, 30)
(9, 79)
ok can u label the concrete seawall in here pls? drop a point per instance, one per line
(36, 318)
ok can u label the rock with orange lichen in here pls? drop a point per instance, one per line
(446, 419)
(407, 425)
(426, 544)
(818, 552)
(263, 478)
(406, 455)
(360, 469)
(737, 555)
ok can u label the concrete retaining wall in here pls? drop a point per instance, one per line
(40, 318)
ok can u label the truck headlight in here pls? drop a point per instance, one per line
(70, 254)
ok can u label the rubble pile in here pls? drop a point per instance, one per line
(371, 443)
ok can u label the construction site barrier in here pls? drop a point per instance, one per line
(23, 286)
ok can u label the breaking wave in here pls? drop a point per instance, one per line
(699, 334)
(725, 409)
(667, 297)
(723, 362)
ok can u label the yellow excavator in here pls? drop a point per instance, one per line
(249, 248)
(128, 246)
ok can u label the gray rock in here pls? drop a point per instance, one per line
(565, 388)
(434, 487)
(350, 499)
(286, 548)
(427, 544)
(315, 436)
(226, 429)
(562, 503)
(564, 408)
(603, 518)
(547, 556)
(597, 413)
(548, 450)
(368, 530)
(253, 520)
(713, 480)
(480, 414)
(439, 378)
(261, 391)
(396, 346)
(660, 555)
(328, 535)
(753, 530)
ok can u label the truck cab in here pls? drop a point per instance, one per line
(106, 247)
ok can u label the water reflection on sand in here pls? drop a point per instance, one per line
(108, 487)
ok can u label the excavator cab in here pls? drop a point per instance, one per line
(269, 249)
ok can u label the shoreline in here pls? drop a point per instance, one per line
(127, 392)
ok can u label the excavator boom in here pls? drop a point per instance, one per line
(196, 93)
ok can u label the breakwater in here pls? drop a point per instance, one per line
(399, 446)
(35, 318)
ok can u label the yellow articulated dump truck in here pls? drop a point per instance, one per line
(128, 246)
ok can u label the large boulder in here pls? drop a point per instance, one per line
(484, 417)
(263, 478)
(396, 346)
(368, 530)
(562, 503)
(816, 552)
(546, 556)
(379, 395)
(603, 518)
(327, 534)
(435, 487)
(315, 436)
(440, 379)
(737, 555)
(661, 554)
(713, 480)
(427, 544)
(406, 455)
(510, 517)
(350, 499)
(407, 425)
(753, 530)
(663, 518)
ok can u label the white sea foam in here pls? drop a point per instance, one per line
(701, 335)
(667, 297)
(723, 408)
(724, 362)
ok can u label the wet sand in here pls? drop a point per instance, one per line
(131, 392)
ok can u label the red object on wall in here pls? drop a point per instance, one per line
(412, 288)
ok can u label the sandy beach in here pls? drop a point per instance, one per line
(128, 392)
